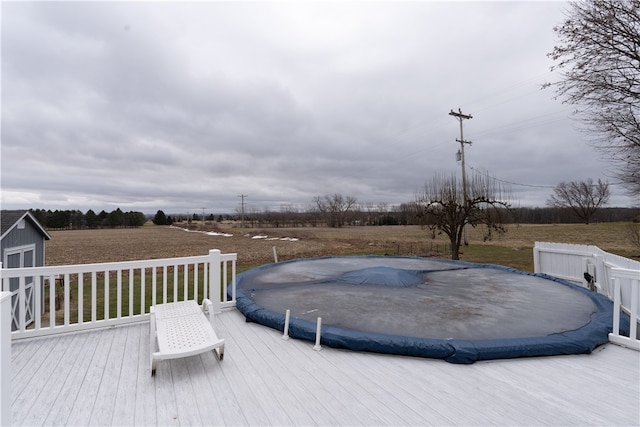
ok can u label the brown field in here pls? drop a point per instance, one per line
(513, 249)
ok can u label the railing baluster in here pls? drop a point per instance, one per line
(634, 309)
(119, 294)
(52, 301)
(205, 279)
(22, 299)
(175, 282)
(143, 272)
(94, 296)
(80, 298)
(67, 298)
(154, 288)
(37, 298)
(107, 279)
(130, 292)
(164, 284)
(185, 280)
(196, 285)
(224, 281)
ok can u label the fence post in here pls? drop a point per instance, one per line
(616, 306)
(536, 258)
(5, 358)
(215, 290)
(603, 281)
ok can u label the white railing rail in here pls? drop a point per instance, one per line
(619, 276)
(591, 267)
(56, 299)
(5, 359)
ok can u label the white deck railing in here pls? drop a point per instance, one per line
(5, 359)
(57, 299)
(611, 275)
(619, 276)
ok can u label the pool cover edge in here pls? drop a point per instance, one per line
(579, 341)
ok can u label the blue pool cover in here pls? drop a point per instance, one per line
(457, 311)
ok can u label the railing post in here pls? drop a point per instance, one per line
(214, 278)
(536, 258)
(5, 358)
(616, 306)
(632, 277)
(603, 283)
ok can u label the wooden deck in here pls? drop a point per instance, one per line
(102, 378)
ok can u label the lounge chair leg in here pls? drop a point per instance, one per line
(219, 352)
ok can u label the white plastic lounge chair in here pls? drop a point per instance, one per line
(181, 329)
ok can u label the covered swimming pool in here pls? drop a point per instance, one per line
(457, 311)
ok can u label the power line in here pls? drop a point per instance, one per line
(531, 185)
(513, 183)
(536, 121)
(482, 103)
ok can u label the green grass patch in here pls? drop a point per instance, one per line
(521, 258)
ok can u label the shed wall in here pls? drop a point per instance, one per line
(21, 237)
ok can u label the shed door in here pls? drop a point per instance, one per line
(24, 256)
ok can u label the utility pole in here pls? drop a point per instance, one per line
(460, 117)
(242, 196)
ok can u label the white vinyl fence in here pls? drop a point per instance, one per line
(57, 299)
(589, 266)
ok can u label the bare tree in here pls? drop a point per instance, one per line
(445, 208)
(582, 197)
(599, 60)
(335, 208)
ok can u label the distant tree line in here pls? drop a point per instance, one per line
(160, 218)
(383, 214)
(75, 219)
(327, 211)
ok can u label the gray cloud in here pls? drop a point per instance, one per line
(177, 106)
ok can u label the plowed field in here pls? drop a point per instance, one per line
(255, 246)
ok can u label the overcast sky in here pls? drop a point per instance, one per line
(183, 106)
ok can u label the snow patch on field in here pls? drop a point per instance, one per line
(265, 237)
(256, 237)
(208, 233)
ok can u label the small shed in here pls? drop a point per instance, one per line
(22, 244)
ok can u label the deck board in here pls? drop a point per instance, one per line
(60, 382)
(263, 380)
(86, 397)
(126, 399)
(145, 397)
(107, 390)
(102, 378)
(59, 410)
(301, 382)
